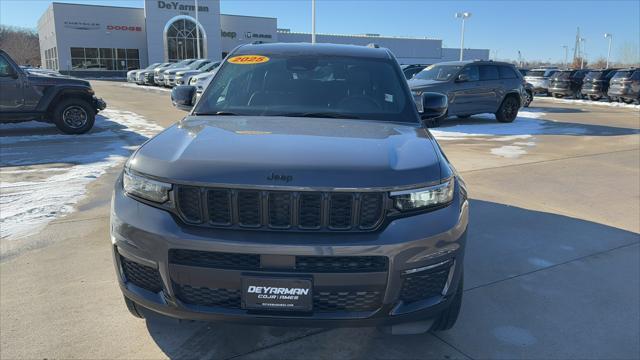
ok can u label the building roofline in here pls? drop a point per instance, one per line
(363, 36)
(93, 5)
(251, 16)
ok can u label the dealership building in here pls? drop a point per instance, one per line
(78, 37)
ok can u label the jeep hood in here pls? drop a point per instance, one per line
(175, 70)
(50, 79)
(313, 152)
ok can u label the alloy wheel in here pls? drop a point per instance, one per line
(75, 116)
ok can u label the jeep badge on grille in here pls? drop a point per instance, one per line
(280, 177)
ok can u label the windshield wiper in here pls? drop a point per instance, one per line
(319, 115)
(220, 113)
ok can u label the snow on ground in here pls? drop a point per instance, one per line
(146, 87)
(601, 102)
(485, 127)
(44, 174)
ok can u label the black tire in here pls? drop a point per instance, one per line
(528, 98)
(134, 309)
(508, 111)
(449, 316)
(74, 116)
(435, 122)
(594, 97)
(627, 101)
(557, 96)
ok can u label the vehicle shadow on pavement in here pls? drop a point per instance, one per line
(41, 143)
(530, 279)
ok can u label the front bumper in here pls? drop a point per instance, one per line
(539, 86)
(170, 80)
(147, 236)
(158, 79)
(593, 91)
(624, 92)
(99, 104)
(562, 91)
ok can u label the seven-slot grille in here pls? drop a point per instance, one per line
(280, 210)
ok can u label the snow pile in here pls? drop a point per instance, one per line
(589, 102)
(524, 127)
(44, 176)
(146, 87)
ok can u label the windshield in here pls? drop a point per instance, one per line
(438, 72)
(210, 66)
(561, 75)
(536, 73)
(593, 75)
(622, 74)
(313, 86)
(152, 66)
(180, 64)
(198, 64)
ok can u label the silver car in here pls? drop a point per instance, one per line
(539, 79)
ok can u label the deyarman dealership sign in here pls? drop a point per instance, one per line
(174, 5)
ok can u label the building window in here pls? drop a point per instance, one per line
(51, 58)
(104, 59)
(181, 40)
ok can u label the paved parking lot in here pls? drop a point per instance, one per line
(551, 268)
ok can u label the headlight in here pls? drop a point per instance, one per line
(423, 198)
(148, 189)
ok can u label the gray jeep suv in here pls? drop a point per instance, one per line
(300, 190)
(473, 87)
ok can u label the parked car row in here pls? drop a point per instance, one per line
(594, 84)
(171, 74)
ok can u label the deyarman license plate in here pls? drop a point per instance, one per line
(279, 294)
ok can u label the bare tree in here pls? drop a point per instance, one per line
(577, 63)
(21, 44)
(629, 54)
(600, 63)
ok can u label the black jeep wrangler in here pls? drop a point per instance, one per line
(67, 102)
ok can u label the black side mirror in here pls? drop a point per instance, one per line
(184, 97)
(434, 105)
(462, 78)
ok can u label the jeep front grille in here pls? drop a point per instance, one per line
(280, 210)
(323, 300)
(303, 263)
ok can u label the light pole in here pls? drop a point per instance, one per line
(566, 53)
(313, 21)
(462, 15)
(519, 58)
(582, 52)
(610, 37)
(197, 32)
